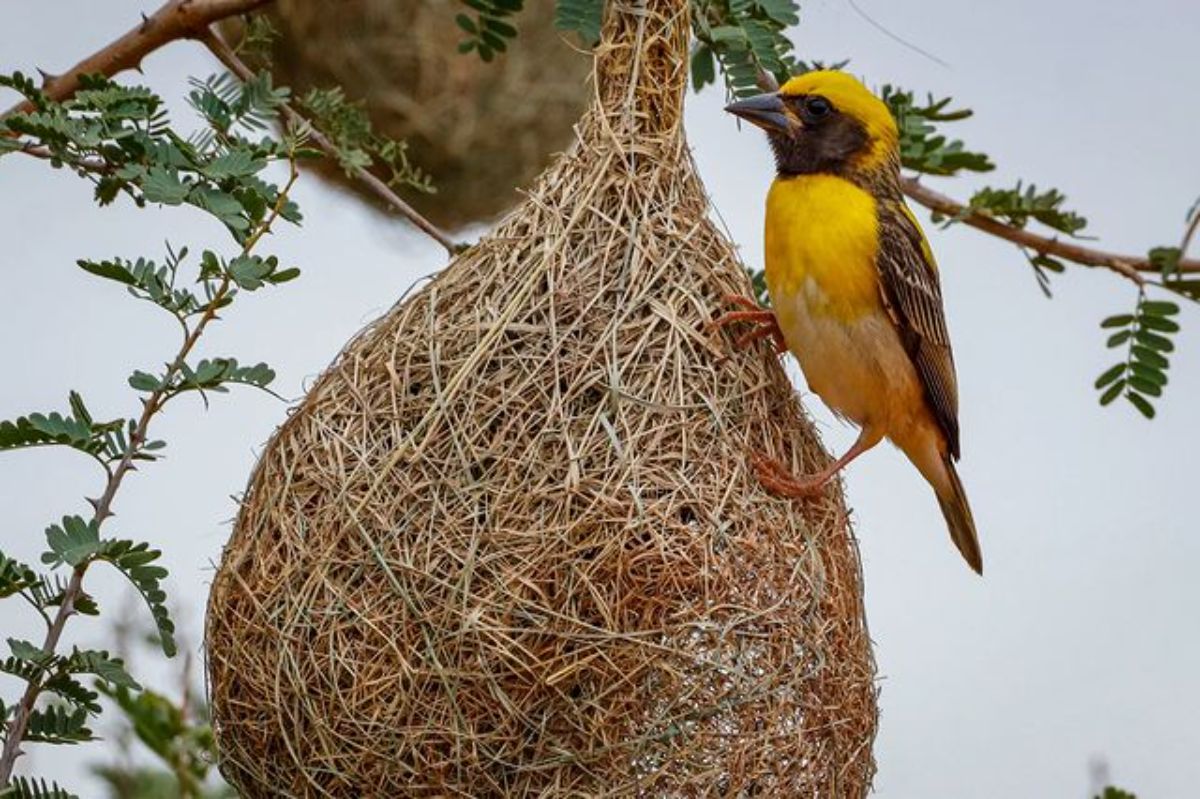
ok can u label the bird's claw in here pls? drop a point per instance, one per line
(778, 480)
(766, 324)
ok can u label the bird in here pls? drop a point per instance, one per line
(854, 288)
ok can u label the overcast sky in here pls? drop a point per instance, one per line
(1080, 642)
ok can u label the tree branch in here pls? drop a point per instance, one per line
(295, 120)
(22, 712)
(87, 164)
(191, 19)
(176, 19)
(1129, 266)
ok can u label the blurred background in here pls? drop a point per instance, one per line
(1073, 660)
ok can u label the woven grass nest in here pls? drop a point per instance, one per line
(509, 544)
(482, 130)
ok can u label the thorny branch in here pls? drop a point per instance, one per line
(192, 19)
(103, 505)
(1129, 266)
(230, 60)
(176, 19)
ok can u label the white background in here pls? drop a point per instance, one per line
(1080, 642)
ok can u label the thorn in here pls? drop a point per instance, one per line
(100, 517)
(145, 23)
(766, 81)
(47, 77)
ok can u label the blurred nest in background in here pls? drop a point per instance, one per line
(509, 545)
(482, 130)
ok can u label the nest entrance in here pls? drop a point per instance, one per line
(509, 545)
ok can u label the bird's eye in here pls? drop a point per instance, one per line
(817, 107)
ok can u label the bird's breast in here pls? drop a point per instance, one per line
(821, 246)
(822, 237)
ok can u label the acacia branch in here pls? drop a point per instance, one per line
(19, 724)
(176, 19)
(86, 164)
(296, 121)
(1129, 266)
(192, 19)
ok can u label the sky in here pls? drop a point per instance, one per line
(1078, 645)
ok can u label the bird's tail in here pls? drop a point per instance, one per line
(953, 499)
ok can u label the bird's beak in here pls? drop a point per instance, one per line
(764, 110)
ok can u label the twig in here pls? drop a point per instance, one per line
(86, 164)
(103, 506)
(1129, 266)
(1190, 232)
(176, 19)
(191, 19)
(295, 120)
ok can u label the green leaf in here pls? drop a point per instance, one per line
(1159, 308)
(250, 272)
(1141, 403)
(582, 16)
(1110, 375)
(466, 24)
(34, 788)
(1018, 205)
(1148, 373)
(1121, 320)
(15, 576)
(30, 653)
(162, 185)
(78, 432)
(1117, 339)
(1154, 341)
(74, 542)
(143, 381)
(59, 725)
(1165, 260)
(136, 562)
(922, 148)
(784, 12)
(704, 70)
(1115, 793)
(1143, 386)
(1111, 393)
(70, 690)
(103, 665)
(1159, 323)
(237, 163)
(1149, 356)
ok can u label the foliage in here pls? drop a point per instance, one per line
(744, 37)
(172, 727)
(922, 148)
(356, 143)
(1145, 336)
(120, 139)
(1115, 793)
(489, 29)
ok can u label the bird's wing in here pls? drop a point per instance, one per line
(913, 296)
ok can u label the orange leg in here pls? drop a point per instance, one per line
(776, 478)
(765, 323)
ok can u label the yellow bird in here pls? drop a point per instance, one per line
(854, 286)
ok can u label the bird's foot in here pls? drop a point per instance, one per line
(764, 321)
(778, 480)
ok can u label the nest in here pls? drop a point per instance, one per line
(509, 545)
(480, 129)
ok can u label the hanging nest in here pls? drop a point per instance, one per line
(509, 545)
(481, 129)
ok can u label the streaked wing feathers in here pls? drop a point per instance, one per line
(913, 296)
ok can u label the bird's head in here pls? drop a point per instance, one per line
(825, 121)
